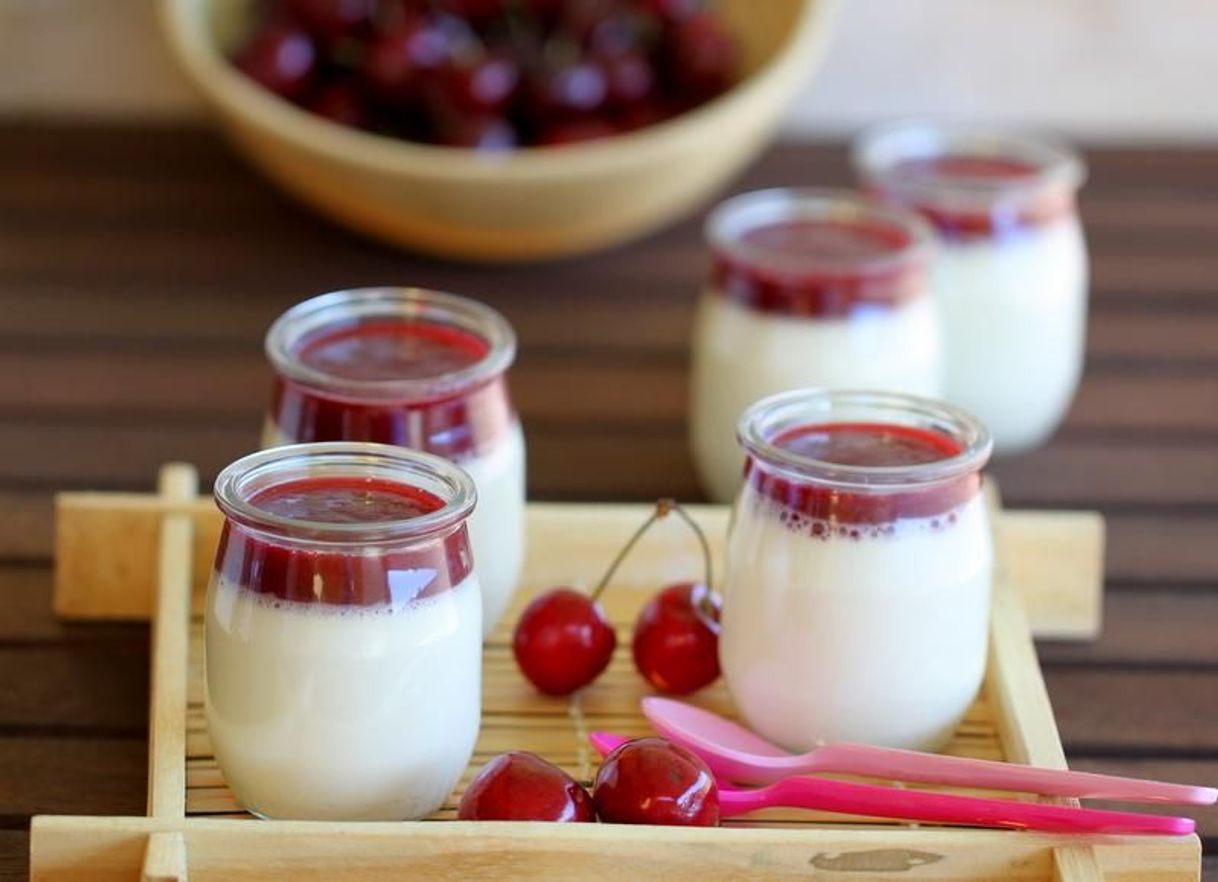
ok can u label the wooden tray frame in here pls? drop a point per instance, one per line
(132, 556)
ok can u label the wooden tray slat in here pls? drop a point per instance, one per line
(106, 541)
(125, 555)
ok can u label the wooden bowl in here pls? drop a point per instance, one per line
(529, 204)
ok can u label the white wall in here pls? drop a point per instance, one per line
(1114, 69)
(1127, 69)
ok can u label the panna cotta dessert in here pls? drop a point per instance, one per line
(857, 591)
(343, 648)
(422, 370)
(1011, 272)
(807, 288)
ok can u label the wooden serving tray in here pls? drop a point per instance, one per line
(139, 556)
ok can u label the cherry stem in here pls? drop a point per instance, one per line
(660, 511)
(706, 552)
(663, 508)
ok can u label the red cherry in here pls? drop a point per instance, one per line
(672, 10)
(653, 781)
(580, 18)
(485, 84)
(574, 89)
(676, 635)
(398, 62)
(676, 639)
(643, 114)
(476, 12)
(332, 19)
(620, 33)
(520, 786)
(563, 641)
(486, 132)
(342, 102)
(630, 78)
(576, 131)
(701, 57)
(280, 57)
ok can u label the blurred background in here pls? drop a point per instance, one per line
(1119, 70)
(142, 260)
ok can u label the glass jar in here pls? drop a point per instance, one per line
(343, 632)
(857, 590)
(1011, 273)
(807, 288)
(419, 369)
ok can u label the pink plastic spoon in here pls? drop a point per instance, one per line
(736, 754)
(822, 794)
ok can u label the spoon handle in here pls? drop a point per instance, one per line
(909, 765)
(915, 805)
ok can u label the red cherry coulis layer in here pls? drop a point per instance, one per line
(352, 576)
(455, 426)
(770, 278)
(825, 511)
(960, 170)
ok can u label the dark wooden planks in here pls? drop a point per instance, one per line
(14, 851)
(140, 268)
(85, 775)
(91, 684)
(1147, 628)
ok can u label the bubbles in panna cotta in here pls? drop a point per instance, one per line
(825, 529)
(822, 513)
(414, 605)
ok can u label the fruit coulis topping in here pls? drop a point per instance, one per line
(868, 444)
(456, 424)
(959, 168)
(811, 240)
(350, 575)
(1001, 193)
(820, 267)
(826, 511)
(346, 501)
(392, 350)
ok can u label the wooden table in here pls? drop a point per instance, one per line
(139, 269)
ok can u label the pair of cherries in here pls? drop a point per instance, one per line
(644, 781)
(563, 640)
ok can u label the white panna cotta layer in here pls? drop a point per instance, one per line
(1014, 311)
(881, 637)
(341, 712)
(742, 355)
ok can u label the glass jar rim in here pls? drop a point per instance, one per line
(878, 150)
(736, 215)
(406, 303)
(801, 407)
(237, 483)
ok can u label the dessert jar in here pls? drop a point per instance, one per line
(343, 632)
(423, 370)
(1011, 273)
(807, 288)
(857, 590)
